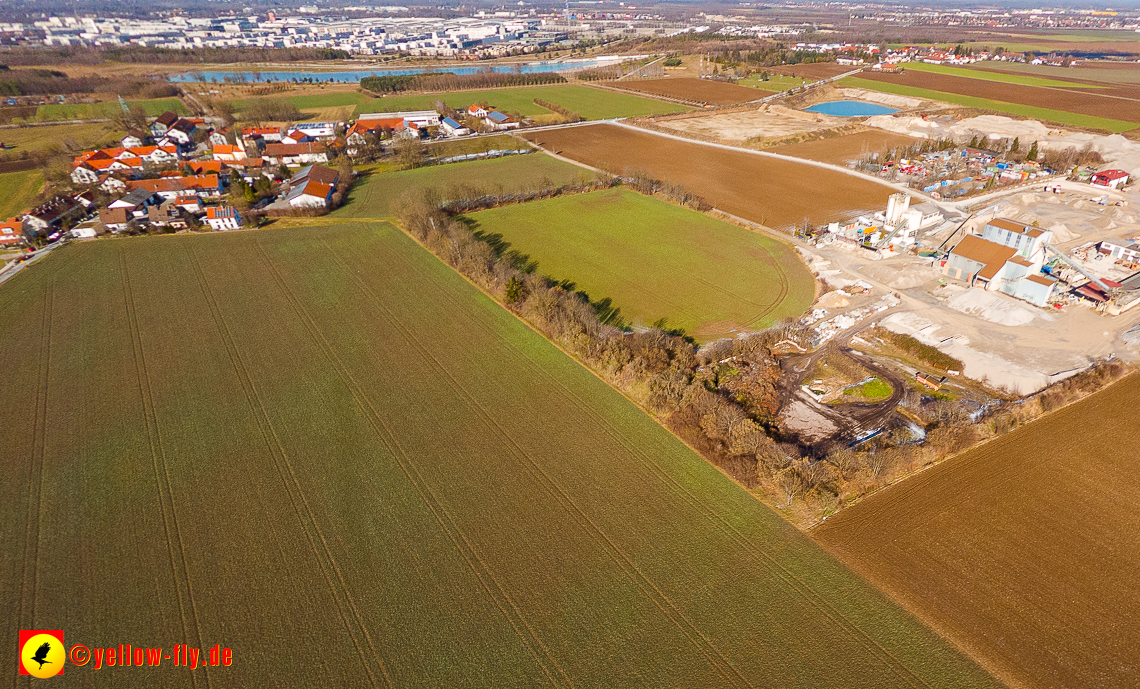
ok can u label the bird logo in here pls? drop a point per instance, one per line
(41, 653)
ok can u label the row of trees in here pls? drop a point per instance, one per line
(446, 81)
(48, 82)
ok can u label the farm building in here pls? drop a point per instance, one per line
(499, 121)
(115, 219)
(998, 267)
(221, 218)
(1110, 178)
(311, 194)
(315, 173)
(453, 128)
(414, 119)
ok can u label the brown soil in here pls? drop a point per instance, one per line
(1022, 551)
(772, 192)
(819, 70)
(1102, 104)
(695, 90)
(843, 149)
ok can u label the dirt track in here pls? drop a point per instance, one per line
(695, 90)
(775, 193)
(1022, 551)
(1117, 104)
(841, 149)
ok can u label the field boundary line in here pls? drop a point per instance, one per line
(777, 156)
(446, 522)
(158, 456)
(806, 592)
(280, 457)
(29, 584)
(685, 626)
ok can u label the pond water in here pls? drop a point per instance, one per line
(352, 76)
(851, 108)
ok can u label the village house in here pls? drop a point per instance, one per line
(112, 185)
(221, 218)
(268, 134)
(136, 202)
(227, 153)
(44, 219)
(218, 137)
(11, 232)
(168, 214)
(297, 137)
(135, 139)
(182, 132)
(162, 123)
(296, 154)
(117, 219)
(379, 128)
(209, 186)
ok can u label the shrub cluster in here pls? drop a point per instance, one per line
(567, 114)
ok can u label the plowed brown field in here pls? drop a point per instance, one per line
(819, 70)
(846, 148)
(772, 192)
(1023, 551)
(1118, 106)
(696, 90)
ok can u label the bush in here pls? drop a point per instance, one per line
(271, 110)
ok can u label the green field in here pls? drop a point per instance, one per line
(373, 197)
(63, 136)
(592, 104)
(656, 260)
(323, 449)
(313, 101)
(17, 191)
(1022, 79)
(1057, 116)
(95, 111)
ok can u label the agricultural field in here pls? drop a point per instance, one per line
(999, 77)
(72, 136)
(1098, 72)
(694, 90)
(325, 450)
(656, 260)
(373, 197)
(843, 149)
(1021, 551)
(590, 103)
(766, 190)
(813, 71)
(17, 191)
(95, 111)
(1050, 97)
(1115, 112)
(774, 82)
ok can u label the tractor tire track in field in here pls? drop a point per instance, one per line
(448, 524)
(158, 457)
(30, 573)
(293, 489)
(765, 559)
(649, 589)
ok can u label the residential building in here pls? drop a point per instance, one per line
(44, 219)
(500, 121)
(173, 187)
(296, 154)
(221, 218)
(11, 232)
(412, 119)
(116, 219)
(315, 173)
(162, 123)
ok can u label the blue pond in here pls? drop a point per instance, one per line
(851, 108)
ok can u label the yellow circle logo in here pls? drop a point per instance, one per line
(42, 656)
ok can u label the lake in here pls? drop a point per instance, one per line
(353, 76)
(851, 108)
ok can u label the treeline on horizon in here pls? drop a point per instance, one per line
(46, 82)
(25, 57)
(446, 81)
